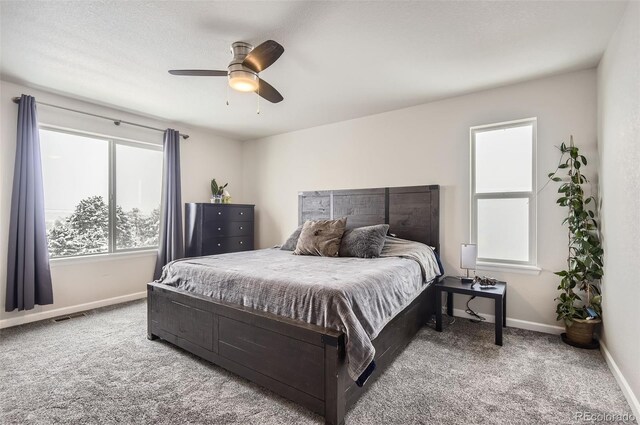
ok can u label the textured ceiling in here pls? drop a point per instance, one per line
(342, 60)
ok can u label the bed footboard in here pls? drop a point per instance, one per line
(302, 362)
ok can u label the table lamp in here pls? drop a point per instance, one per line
(468, 255)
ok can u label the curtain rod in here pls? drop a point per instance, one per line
(114, 120)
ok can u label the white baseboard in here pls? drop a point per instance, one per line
(34, 317)
(622, 382)
(512, 323)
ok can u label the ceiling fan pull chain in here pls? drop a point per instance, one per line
(258, 112)
(227, 94)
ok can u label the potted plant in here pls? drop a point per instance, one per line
(217, 192)
(579, 302)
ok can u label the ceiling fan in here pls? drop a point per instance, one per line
(244, 68)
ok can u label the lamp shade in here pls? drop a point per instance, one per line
(468, 256)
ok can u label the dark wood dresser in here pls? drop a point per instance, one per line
(218, 228)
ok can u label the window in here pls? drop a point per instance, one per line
(503, 205)
(101, 195)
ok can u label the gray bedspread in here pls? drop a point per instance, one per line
(354, 295)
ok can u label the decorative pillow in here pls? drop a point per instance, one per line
(364, 242)
(321, 237)
(291, 243)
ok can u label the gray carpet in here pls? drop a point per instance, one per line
(102, 369)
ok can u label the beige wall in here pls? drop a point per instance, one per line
(619, 146)
(429, 144)
(82, 284)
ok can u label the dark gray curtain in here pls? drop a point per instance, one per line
(171, 245)
(28, 274)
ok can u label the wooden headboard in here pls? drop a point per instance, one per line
(412, 212)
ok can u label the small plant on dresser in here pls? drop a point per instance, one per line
(217, 192)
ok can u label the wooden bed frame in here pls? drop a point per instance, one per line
(302, 362)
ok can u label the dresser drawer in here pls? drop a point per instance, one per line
(221, 245)
(231, 228)
(220, 213)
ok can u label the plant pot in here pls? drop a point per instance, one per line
(216, 199)
(581, 331)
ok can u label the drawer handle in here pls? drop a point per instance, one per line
(219, 244)
(241, 213)
(219, 212)
(241, 227)
(240, 242)
(219, 228)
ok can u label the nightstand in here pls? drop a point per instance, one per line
(452, 285)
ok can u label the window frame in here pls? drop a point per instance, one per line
(483, 262)
(112, 161)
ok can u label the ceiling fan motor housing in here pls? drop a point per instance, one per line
(240, 77)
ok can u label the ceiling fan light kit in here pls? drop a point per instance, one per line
(243, 70)
(243, 81)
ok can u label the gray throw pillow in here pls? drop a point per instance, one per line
(364, 242)
(321, 237)
(291, 243)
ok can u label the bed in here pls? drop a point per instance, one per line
(303, 362)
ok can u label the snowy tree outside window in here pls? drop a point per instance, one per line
(81, 174)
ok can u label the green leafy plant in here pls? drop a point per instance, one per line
(584, 261)
(217, 190)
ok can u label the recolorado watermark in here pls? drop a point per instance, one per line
(625, 418)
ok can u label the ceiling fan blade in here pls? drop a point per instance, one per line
(199, 72)
(263, 56)
(266, 91)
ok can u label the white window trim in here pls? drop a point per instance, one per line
(508, 268)
(73, 131)
(106, 256)
(491, 264)
(113, 251)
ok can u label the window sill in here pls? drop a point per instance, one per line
(97, 258)
(509, 268)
